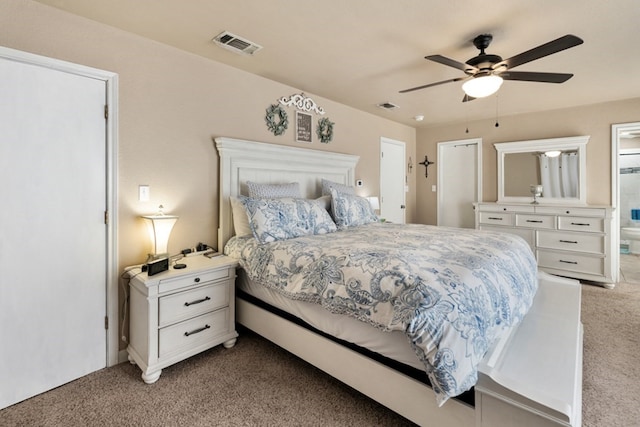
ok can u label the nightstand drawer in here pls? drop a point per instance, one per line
(594, 225)
(577, 242)
(184, 305)
(496, 218)
(166, 285)
(191, 333)
(571, 262)
(536, 221)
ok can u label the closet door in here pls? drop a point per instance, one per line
(53, 239)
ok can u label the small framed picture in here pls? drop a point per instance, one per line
(303, 127)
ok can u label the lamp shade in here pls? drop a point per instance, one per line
(374, 202)
(160, 227)
(480, 87)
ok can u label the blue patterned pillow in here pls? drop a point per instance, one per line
(273, 191)
(340, 188)
(350, 210)
(286, 218)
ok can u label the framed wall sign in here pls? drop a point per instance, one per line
(304, 131)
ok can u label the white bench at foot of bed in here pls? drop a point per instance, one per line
(535, 379)
(532, 378)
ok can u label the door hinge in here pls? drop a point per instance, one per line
(106, 217)
(106, 112)
(106, 322)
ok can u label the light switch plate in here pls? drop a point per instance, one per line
(143, 193)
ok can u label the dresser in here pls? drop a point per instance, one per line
(571, 241)
(180, 312)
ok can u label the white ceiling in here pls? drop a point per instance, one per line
(362, 52)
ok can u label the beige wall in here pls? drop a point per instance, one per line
(171, 105)
(593, 120)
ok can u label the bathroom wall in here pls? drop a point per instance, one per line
(629, 185)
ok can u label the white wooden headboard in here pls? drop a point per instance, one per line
(242, 161)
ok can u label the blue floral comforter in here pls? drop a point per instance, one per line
(452, 291)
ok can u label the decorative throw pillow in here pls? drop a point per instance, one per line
(325, 202)
(273, 191)
(286, 218)
(351, 210)
(240, 218)
(340, 188)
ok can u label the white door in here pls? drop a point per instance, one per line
(53, 240)
(392, 180)
(459, 182)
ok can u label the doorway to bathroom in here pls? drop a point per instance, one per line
(625, 159)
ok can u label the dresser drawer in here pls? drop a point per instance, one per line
(496, 218)
(184, 305)
(193, 332)
(559, 210)
(571, 262)
(166, 285)
(577, 242)
(536, 221)
(492, 207)
(594, 225)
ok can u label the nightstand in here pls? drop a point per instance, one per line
(178, 313)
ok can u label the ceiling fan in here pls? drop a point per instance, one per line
(486, 72)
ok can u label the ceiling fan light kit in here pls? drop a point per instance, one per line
(485, 72)
(481, 87)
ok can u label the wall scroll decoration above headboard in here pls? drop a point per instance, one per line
(302, 103)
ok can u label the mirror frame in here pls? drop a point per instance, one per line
(577, 143)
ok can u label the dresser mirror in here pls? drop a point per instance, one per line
(543, 171)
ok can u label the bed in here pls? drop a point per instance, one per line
(360, 324)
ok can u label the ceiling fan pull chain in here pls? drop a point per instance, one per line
(497, 124)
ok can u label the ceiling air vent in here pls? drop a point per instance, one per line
(388, 106)
(236, 44)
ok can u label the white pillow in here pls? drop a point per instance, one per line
(240, 218)
(350, 210)
(273, 191)
(325, 202)
(286, 218)
(340, 188)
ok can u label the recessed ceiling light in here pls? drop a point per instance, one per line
(418, 118)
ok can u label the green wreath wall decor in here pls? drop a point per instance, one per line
(325, 130)
(281, 125)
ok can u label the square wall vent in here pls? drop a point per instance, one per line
(236, 44)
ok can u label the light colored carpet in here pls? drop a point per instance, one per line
(611, 383)
(258, 384)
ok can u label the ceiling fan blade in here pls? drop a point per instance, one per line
(457, 79)
(450, 62)
(467, 98)
(536, 76)
(557, 45)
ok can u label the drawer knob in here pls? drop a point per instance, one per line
(204, 328)
(187, 304)
(584, 224)
(495, 218)
(568, 241)
(197, 280)
(537, 221)
(569, 262)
